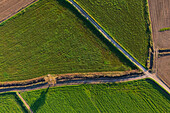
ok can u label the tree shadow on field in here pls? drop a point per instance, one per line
(40, 101)
(89, 25)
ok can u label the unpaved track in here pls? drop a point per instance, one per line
(160, 18)
(9, 8)
(76, 82)
(89, 81)
(24, 102)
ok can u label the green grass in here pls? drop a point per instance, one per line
(127, 21)
(9, 103)
(164, 29)
(51, 37)
(133, 97)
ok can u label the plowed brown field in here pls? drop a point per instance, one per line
(160, 18)
(164, 69)
(10, 7)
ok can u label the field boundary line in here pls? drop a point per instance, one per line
(101, 80)
(151, 42)
(106, 35)
(24, 102)
(42, 80)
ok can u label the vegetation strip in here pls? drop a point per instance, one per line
(74, 81)
(115, 43)
(68, 76)
(163, 52)
(22, 83)
(64, 78)
(164, 29)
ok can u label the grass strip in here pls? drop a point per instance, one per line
(164, 29)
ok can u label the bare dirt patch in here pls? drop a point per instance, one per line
(9, 8)
(160, 18)
(164, 69)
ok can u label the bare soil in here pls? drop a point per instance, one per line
(160, 18)
(164, 69)
(9, 8)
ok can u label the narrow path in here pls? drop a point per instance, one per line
(99, 80)
(89, 81)
(109, 38)
(112, 80)
(160, 82)
(24, 102)
(76, 82)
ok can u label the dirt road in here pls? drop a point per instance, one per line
(9, 8)
(75, 82)
(160, 18)
(24, 102)
(88, 81)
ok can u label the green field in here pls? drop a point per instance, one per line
(125, 20)
(51, 37)
(9, 103)
(143, 96)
